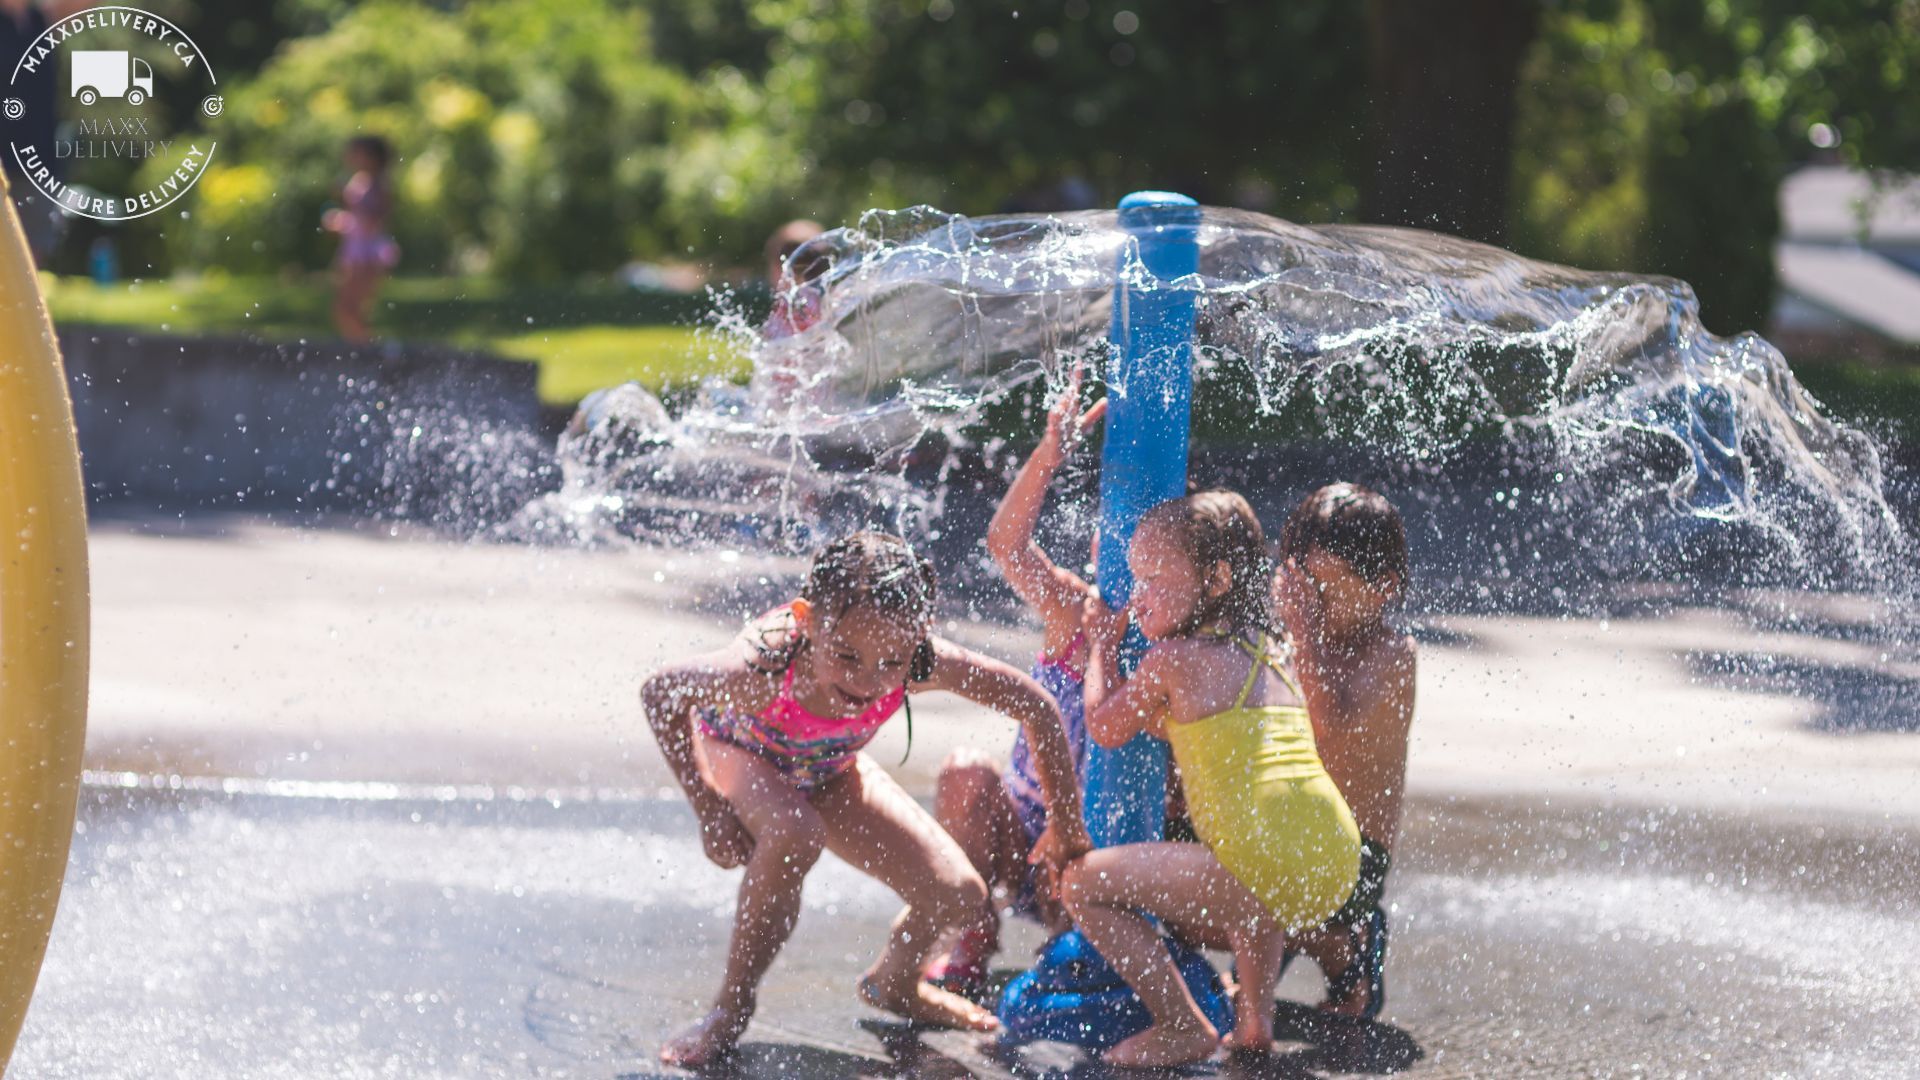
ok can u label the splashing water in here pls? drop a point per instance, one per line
(1628, 430)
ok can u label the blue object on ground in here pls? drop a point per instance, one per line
(1071, 995)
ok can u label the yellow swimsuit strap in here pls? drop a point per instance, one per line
(1262, 654)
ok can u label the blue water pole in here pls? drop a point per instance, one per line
(1149, 409)
(1071, 995)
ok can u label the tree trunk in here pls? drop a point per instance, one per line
(1442, 84)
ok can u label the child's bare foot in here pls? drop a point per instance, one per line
(963, 968)
(1241, 1041)
(1252, 1033)
(711, 1037)
(924, 1003)
(1163, 1045)
(1252, 1023)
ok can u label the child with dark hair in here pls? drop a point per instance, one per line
(1343, 564)
(367, 250)
(1279, 850)
(765, 737)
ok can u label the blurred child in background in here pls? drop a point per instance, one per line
(367, 250)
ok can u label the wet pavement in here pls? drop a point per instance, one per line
(1679, 838)
(281, 930)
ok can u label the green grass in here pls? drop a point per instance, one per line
(575, 361)
(598, 333)
(583, 336)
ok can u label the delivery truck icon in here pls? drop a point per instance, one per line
(102, 73)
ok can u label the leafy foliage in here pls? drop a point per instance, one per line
(530, 141)
(967, 104)
(545, 141)
(1654, 133)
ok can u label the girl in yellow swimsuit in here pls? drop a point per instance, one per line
(1280, 849)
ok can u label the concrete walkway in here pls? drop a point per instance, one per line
(246, 649)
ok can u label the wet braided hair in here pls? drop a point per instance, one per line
(872, 570)
(1219, 526)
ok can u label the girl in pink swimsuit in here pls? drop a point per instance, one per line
(776, 775)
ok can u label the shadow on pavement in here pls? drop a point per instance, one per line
(1335, 1046)
(1851, 698)
(756, 1059)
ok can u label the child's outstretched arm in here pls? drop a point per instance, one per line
(725, 678)
(1119, 708)
(1053, 591)
(998, 686)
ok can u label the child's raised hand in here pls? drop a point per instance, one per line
(1067, 424)
(1057, 848)
(1104, 626)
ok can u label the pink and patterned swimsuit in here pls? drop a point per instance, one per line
(808, 749)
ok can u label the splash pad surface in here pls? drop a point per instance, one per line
(448, 925)
(431, 938)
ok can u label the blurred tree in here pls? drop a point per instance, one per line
(1641, 134)
(1442, 83)
(530, 141)
(698, 36)
(1654, 133)
(1579, 191)
(970, 105)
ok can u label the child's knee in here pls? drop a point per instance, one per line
(796, 842)
(967, 772)
(1076, 888)
(965, 902)
(967, 779)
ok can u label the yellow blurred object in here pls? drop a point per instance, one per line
(43, 626)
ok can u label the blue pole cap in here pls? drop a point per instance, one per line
(1144, 210)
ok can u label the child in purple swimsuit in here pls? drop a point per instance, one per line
(775, 773)
(367, 251)
(998, 818)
